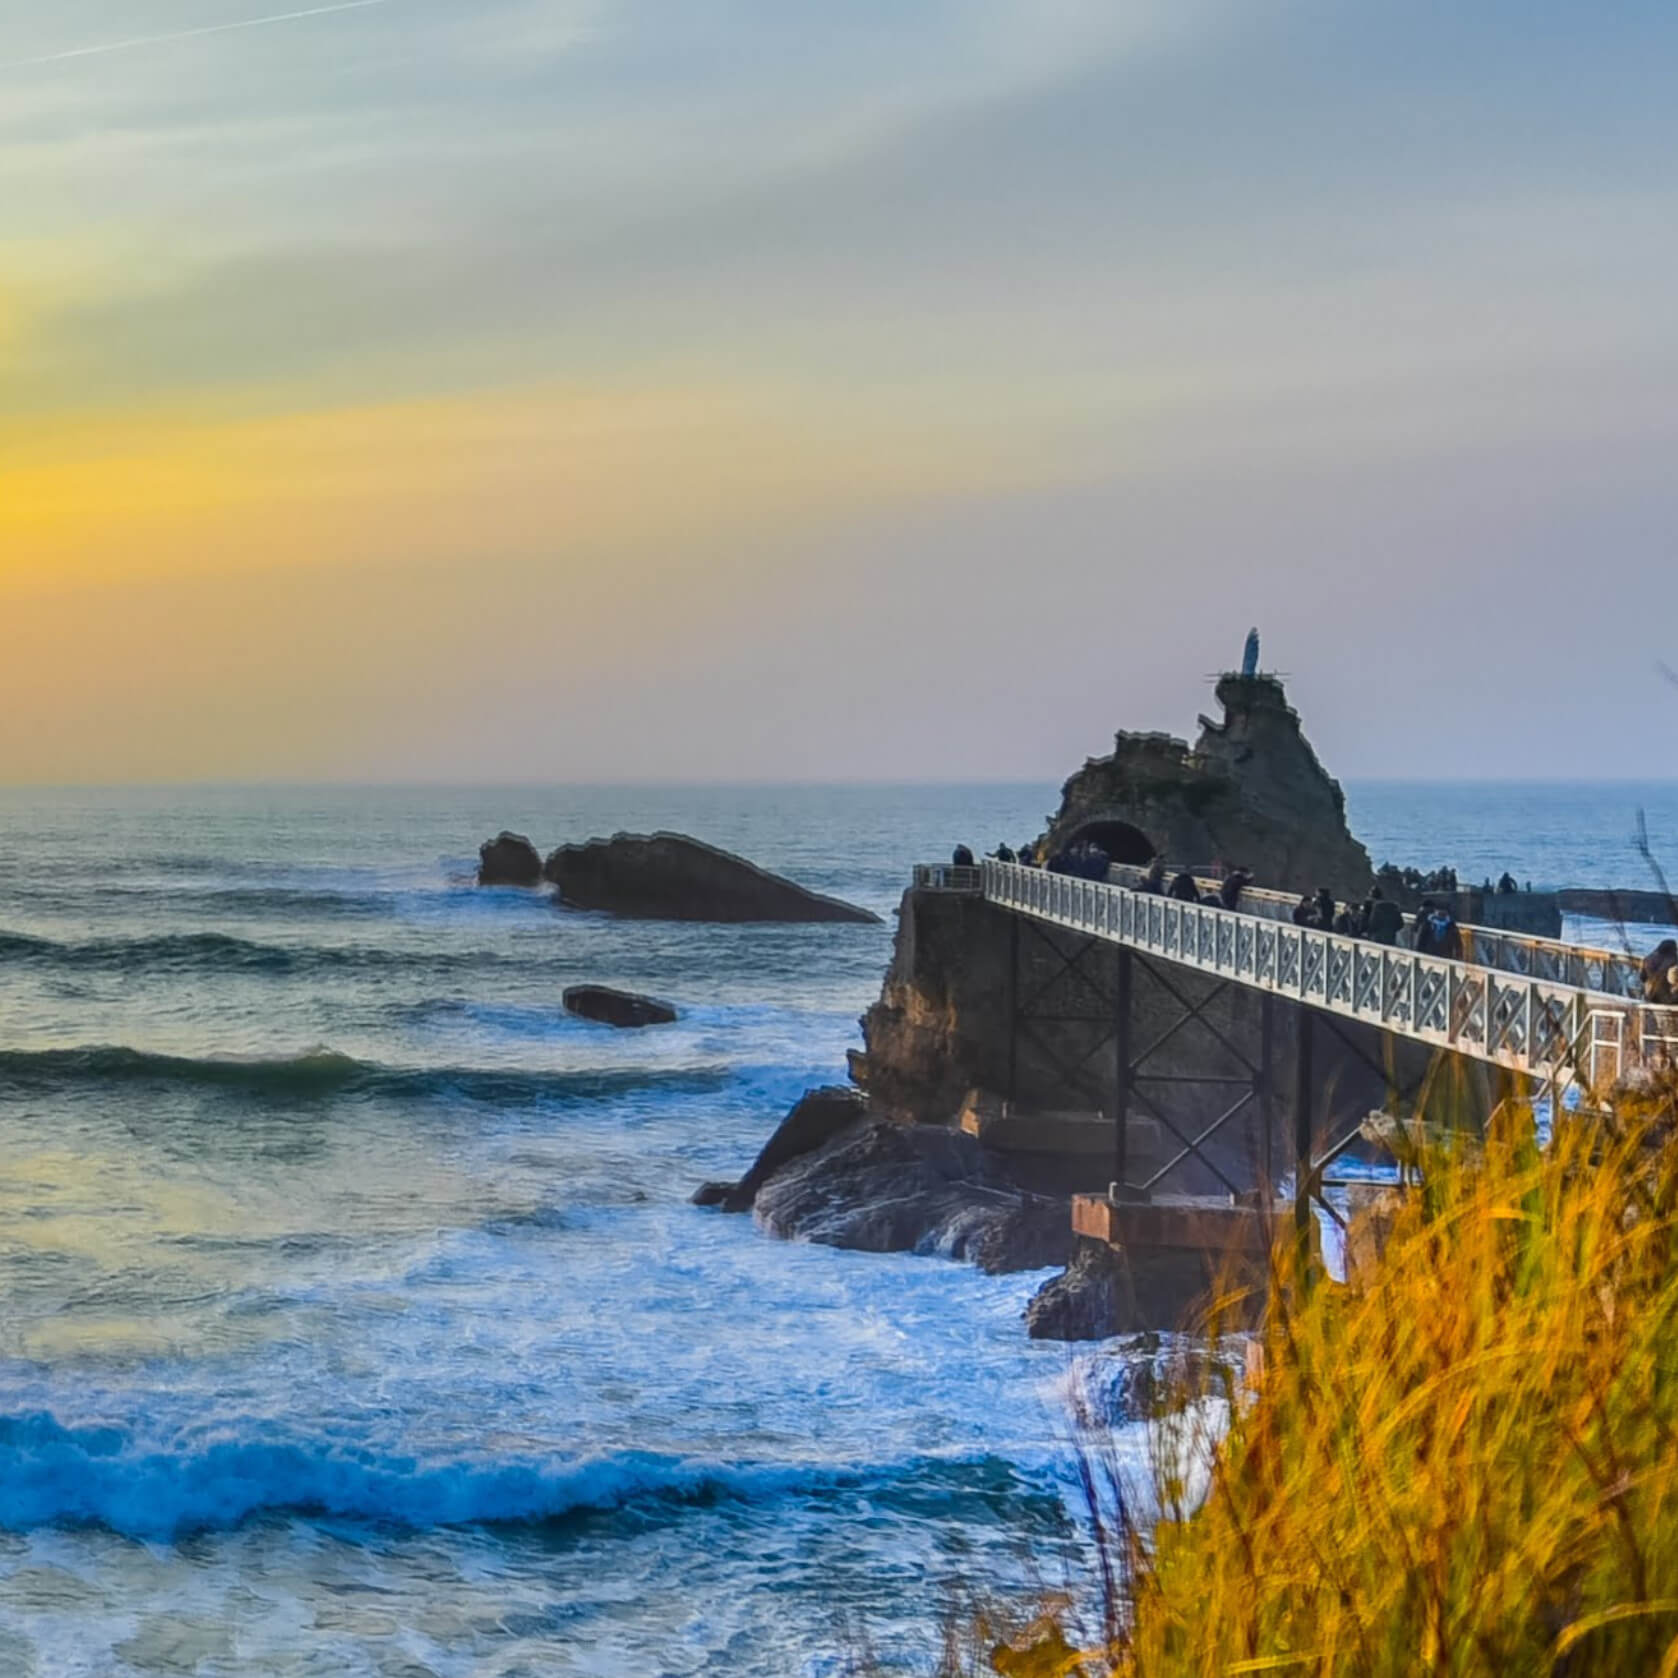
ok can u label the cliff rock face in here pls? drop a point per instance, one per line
(941, 1025)
(1250, 792)
(670, 877)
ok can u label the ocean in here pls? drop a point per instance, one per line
(353, 1316)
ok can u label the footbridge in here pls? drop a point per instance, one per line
(1559, 1021)
(1558, 1013)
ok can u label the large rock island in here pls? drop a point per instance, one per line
(671, 877)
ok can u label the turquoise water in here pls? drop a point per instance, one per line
(355, 1319)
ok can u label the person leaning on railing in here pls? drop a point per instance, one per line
(1659, 973)
(1184, 889)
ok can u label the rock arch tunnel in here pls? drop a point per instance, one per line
(1122, 841)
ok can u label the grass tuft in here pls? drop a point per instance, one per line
(1463, 1461)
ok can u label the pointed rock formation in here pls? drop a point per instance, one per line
(1250, 792)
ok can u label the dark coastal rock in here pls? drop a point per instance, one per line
(621, 1008)
(1104, 1292)
(669, 876)
(1083, 1302)
(818, 1116)
(509, 860)
(881, 1187)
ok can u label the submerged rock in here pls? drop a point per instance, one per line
(509, 860)
(669, 876)
(616, 1007)
(881, 1187)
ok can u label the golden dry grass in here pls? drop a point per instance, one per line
(1465, 1463)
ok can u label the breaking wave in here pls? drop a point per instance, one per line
(223, 953)
(324, 1073)
(56, 1476)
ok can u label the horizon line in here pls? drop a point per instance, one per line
(725, 783)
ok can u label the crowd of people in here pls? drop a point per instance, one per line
(1377, 918)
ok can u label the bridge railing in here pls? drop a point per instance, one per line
(1611, 972)
(949, 876)
(1548, 1030)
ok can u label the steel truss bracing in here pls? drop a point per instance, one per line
(1142, 1085)
(1075, 993)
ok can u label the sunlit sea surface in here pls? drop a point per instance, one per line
(353, 1316)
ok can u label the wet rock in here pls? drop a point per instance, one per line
(1104, 1292)
(621, 1008)
(509, 860)
(1083, 1302)
(817, 1116)
(885, 1188)
(669, 876)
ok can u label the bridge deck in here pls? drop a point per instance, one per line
(1580, 1026)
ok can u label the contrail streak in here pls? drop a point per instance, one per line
(191, 34)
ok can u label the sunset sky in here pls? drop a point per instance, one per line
(582, 389)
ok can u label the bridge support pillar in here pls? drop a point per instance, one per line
(1123, 981)
(1304, 1086)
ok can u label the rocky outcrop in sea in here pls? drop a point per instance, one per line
(670, 876)
(509, 860)
(625, 1009)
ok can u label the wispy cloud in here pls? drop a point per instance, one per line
(133, 42)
